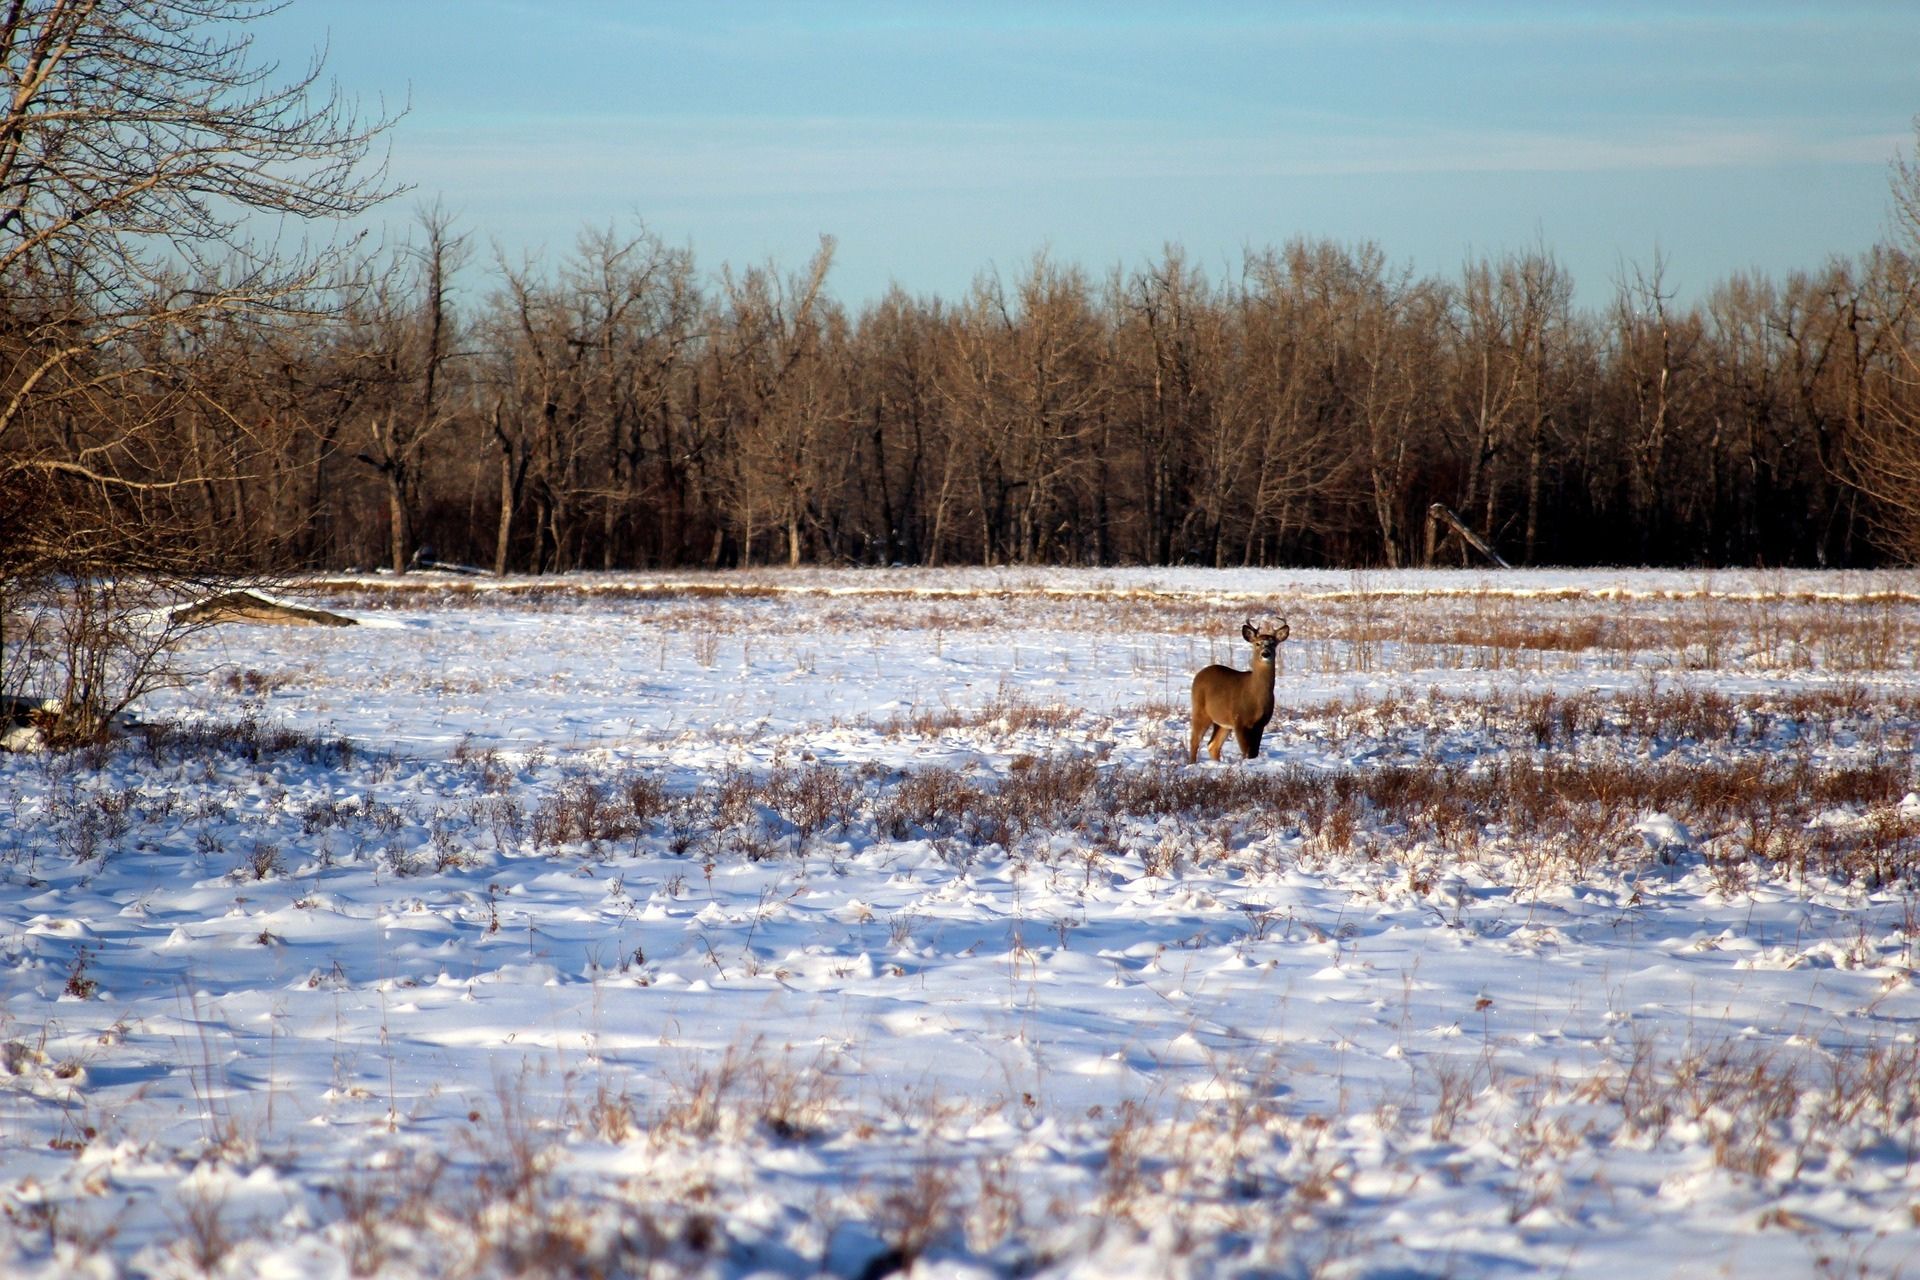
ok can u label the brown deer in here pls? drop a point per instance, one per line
(1242, 701)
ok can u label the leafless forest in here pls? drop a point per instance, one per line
(618, 408)
(621, 405)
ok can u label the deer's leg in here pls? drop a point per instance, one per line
(1216, 740)
(1198, 729)
(1249, 742)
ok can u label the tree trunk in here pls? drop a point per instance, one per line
(504, 531)
(399, 528)
(1534, 451)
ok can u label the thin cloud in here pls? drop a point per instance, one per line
(763, 156)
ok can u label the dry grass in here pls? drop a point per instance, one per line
(750, 1088)
(1362, 627)
(504, 1204)
(1007, 714)
(250, 738)
(1559, 814)
(1807, 784)
(1270, 1179)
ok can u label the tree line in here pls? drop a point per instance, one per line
(615, 409)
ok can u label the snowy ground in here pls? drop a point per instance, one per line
(845, 922)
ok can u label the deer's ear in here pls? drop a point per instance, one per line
(1284, 631)
(1247, 632)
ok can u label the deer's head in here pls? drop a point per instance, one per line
(1266, 644)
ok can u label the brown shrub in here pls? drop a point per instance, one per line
(811, 799)
(589, 810)
(931, 802)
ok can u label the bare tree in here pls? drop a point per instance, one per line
(533, 363)
(783, 402)
(1884, 454)
(1021, 383)
(1169, 347)
(1284, 453)
(1883, 457)
(1396, 362)
(909, 454)
(139, 140)
(1752, 456)
(1655, 370)
(635, 310)
(410, 348)
(1515, 320)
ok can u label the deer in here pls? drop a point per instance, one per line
(1224, 698)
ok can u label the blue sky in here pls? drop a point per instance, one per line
(934, 141)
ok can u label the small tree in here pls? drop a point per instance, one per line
(1883, 458)
(409, 347)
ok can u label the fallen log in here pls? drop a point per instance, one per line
(247, 606)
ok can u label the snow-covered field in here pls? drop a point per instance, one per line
(845, 922)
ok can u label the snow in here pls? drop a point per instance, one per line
(916, 957)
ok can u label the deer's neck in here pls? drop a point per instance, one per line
(1261, 677)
